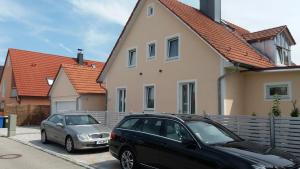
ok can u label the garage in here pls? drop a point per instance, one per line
(65, 106)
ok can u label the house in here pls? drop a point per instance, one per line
(26, 80)
(75, 89)
(174, 58)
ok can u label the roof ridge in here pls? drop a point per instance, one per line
(283, 27)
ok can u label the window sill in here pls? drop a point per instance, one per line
(131, 66)
(281, 99)
(152, 110)
(173, 59)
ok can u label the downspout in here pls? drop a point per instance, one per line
(77, 103)
(220, 86)
(106, 95)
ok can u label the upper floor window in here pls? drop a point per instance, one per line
(283, 55)
(149, 97)
(50, 81)
(121, 100)
(280, 89)
(132, 58)
(173, 48)
(150, 10)
(151, 52)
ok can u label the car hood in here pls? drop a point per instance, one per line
(89, 129)
(259, 154)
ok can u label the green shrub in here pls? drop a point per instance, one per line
(295, 111)
(275, 107)
(253, 114)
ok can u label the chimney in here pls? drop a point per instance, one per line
(212, 9)
(80, 57)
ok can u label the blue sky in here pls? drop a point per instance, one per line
(62, 26)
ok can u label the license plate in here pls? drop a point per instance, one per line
(102, 142)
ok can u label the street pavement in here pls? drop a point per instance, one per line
(14, 155)
(98, 159)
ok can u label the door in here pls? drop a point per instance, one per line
(58, 131)
(176, 154)
(65, 106)
(187, 98)
(50, 127)
(148, 141)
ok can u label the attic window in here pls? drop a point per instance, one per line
(50, 81)
(150, 10)
(94, 66)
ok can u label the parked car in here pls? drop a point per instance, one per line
(189, 142)
(75, 132)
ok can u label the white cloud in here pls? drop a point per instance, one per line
(10, 9)
(65, 47)
(116, 11)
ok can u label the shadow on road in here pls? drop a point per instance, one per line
(109, 164)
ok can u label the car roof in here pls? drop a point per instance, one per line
(182, 117)
(70, 114)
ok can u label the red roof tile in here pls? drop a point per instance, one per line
(232, 46)
(238, 29)
(31, 70)
(83, 78)
(264, 34)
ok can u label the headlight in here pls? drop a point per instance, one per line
(257, 166)
(83, 137)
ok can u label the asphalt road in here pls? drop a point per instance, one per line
(15, 155)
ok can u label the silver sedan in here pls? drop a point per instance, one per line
(74, 131)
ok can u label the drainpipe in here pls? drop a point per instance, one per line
(220, 86)
(106, 94)
(77, 103)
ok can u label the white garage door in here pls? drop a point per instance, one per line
(65, 106)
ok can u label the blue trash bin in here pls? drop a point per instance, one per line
(2, 122)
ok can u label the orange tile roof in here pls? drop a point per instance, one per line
(231, 45)
(264, 34)
(31, 70)
(83, 78)
(238, 29)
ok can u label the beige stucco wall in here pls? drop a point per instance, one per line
(254, 98)
(92, 102)
(197, 62)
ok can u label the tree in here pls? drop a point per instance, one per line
(295, 111)
(275, 107)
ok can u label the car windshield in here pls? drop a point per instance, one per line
(80, 120)
(211, 134)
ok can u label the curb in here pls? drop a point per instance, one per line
(54, 154)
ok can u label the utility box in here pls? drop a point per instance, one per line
(12, 125)
(5, 121)
(2, 122)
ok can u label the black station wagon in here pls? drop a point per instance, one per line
(189, 142)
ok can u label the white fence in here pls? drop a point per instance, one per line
(279, 132)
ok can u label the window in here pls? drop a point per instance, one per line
(151, 52)
(131, 124)
(121, 102)
(175, 131)
(283, 55)
(132, 58)
(56, 119)
(149, 97)
(173, 48)
(282, 90)
(152, 126)
(187, 98)
(150, 10)
(50, 81)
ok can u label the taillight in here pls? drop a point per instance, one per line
(113, 135)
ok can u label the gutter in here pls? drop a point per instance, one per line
(220, 86)
(106, 95)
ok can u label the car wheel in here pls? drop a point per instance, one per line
(44, 137)
(69, 145)
(128, 160)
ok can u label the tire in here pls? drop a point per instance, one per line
(44, 139)
(69, 145)
(127, 159)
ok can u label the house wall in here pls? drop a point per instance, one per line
(197, 62)
(92, 102)
(254, 92)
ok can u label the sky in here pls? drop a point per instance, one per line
(62, 26)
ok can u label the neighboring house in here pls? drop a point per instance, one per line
(75, 88)
(27, 78)
(174, 58)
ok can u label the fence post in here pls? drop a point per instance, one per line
(105, 118)
(272, 131)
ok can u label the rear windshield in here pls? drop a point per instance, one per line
(80, 120)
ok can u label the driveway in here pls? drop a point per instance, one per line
(100, 159)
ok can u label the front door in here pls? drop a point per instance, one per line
(187, 103)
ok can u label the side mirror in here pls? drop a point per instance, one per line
(60, 125)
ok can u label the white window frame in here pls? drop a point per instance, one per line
(148, 50)
(145, 95)
(179, 83)
(117, 98)
(267, 96)
(136, 57)
(167, 58)
(148, 10)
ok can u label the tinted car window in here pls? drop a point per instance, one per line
(152, 126)
(80, 120)
(129, 124)
(55, 119)
(175, 131)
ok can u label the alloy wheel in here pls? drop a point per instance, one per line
(127, 160)
(69, 144)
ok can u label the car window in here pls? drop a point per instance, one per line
(152, 126)
(80, 120)
(175, 131)
(54, 119)
(131, 124)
